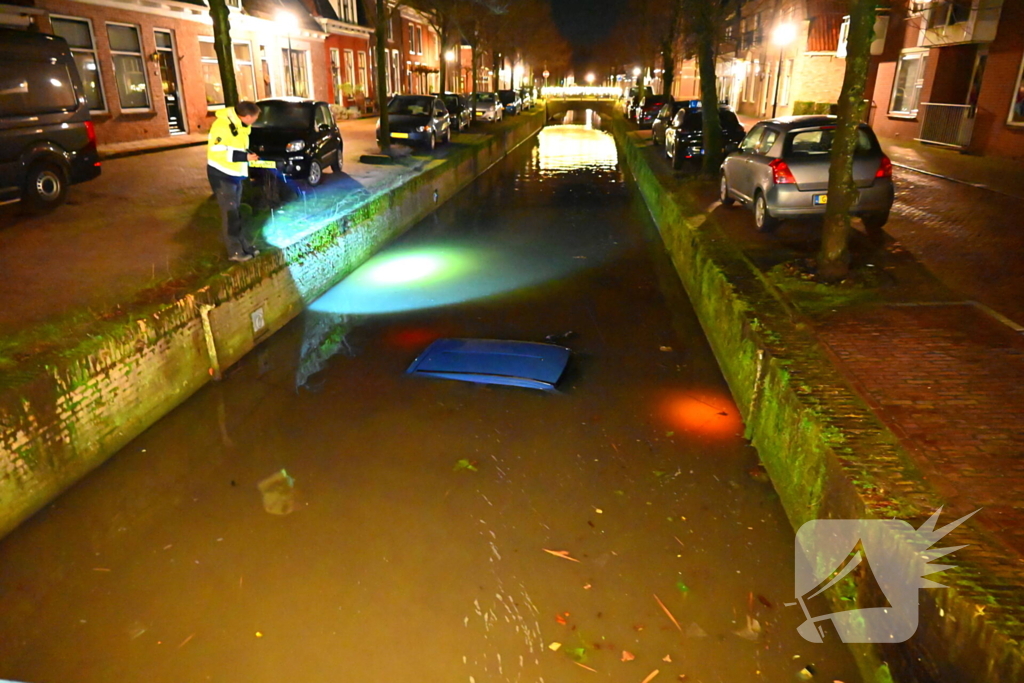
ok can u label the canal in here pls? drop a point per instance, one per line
(320, 515)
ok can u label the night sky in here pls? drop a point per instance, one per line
(585, 23)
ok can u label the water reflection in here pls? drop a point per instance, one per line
(479, 255)
(323, 337)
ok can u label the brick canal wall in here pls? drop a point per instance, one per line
(828, 456)
(65, 418)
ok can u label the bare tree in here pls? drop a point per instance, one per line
(379, 13)
(834, 258)
(222, 46)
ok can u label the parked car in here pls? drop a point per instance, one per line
(649, 108)
(782, 169)
(633, 98)
(47, 139)
(527, 97)
(460, 115)
(663, 120)
(417, 120)
(300, 135)
(684, 138)
(488, 106)
(510, 100)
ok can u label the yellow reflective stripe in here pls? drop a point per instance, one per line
(240, 173)
(218, 148)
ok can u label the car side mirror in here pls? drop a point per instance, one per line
(324, 127)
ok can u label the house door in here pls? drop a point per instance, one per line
(169, 79)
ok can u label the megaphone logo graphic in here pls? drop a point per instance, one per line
(888, 559)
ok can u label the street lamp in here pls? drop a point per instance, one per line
(636, 71)
(782, 35)
(289, 22)
(590, 79)
(546, 74)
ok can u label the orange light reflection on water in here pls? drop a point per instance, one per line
(702, 412)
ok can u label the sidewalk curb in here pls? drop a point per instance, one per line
(951, 179)
(121, 154)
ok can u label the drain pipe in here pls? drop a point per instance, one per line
(211, 346)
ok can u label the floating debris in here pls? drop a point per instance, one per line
(278, 493)
(650, 677)
(627, 656)
(669, 614)
(564, 554)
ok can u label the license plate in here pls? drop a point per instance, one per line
(262, 163)
(399, 135)
(820, 199)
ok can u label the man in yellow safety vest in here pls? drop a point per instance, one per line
(227, 165)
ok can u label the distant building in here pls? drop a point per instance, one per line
(349, 49)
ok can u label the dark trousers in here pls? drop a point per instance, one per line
(228, 191)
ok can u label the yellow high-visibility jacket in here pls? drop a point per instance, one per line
(228, 145)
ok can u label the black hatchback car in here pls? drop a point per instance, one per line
(417, 120)
(299, 136)
(684, 139)
(47, 139)
(460, 114)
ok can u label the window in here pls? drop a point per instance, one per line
(906, 90)
(750, 143)
(350, 69)
(296, 78)
(412, 39)
(419, 39)
(391, 31)
(245, 77)
(41, 89)
(1016, 117)
(768, 141)
(268, 85)
(78, 33)
(211, 73)
(336, 74)
(949, 13)
(323, 116)
(362, 83)
(819, 142)
(129, 67)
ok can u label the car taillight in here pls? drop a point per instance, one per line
(90, 130)
(884, 168)
(781, 173)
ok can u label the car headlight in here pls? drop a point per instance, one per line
(424, 129)
(295, 146)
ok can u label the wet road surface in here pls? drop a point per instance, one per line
(437, 530)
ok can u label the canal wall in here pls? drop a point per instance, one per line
(827, 454)
(63, 415)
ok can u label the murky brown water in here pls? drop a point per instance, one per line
(424, 512)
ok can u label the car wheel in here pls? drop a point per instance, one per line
(46, 187)
(316, 173)
(723, 192)
(654, 138)
(336, 164)
(432, 142)
(763, 219)
(874, 222)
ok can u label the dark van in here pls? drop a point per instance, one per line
(47, 140)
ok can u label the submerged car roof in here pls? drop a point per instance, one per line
(491, 361)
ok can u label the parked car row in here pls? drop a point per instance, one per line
(781, 167)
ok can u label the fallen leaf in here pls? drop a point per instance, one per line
(664, 348)
(667, 658)
(764, 601)
(465, 464)
(695, 631)
(554, 647)
(586, 587)
(650, 677)
(669, 613)
(683, 588)
(752, 631)
(627, 656)
(564, 554)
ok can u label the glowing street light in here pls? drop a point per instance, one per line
(590, 79)
(289, 22)
(782, 35)
(636, 71)
(450, 55)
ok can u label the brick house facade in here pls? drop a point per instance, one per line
(348, 48)
(150, 69)
(951, 74)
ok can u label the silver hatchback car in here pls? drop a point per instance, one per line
(781, 169)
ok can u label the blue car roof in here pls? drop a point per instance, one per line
(491, 361)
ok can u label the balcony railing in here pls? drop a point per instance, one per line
(946, 124)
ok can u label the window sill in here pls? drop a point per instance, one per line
(137, 110)
(904, 117)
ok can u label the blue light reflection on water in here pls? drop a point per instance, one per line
(470, 254)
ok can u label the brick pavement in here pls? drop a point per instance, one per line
(949, 381)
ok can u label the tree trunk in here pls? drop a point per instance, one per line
(668, 65)
(834, 258)
(706, 57)
(443, 39)
(222, 46)
(472, 87)
(382, 76)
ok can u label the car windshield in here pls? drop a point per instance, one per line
(819, 141)
(485, 97)
(506, 95)
(284, 115)
(410, 106)
(452, 102)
